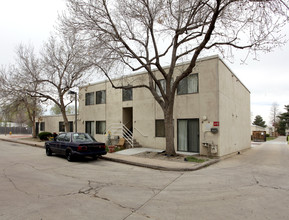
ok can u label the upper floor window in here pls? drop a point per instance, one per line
(189, 85)
(127, 94)
(89, 98)
(101, 97)
(163, 85)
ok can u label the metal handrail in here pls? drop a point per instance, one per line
(140, 132)
(120, 129)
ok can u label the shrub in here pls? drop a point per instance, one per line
(44, 135)
(267, 135)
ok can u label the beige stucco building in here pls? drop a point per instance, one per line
(211, 111)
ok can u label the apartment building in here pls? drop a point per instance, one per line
(211, 111)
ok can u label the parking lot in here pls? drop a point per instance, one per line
(253, 185)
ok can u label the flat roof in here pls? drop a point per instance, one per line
(166, 67)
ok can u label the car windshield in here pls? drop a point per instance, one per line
(82, 137)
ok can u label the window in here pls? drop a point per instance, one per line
(67, 138)
(61, 137)
(126, 94)
(189, 85)
(80, 137)
(163, 84)
(89, 98)
(188, 135)
(89, 127)
(62, 126)
(100, 97)
(42, 126)
(160, 128)
(100, 127)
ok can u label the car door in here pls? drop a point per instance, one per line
(59, 143)
(64, 143)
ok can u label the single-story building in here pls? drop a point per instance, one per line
(269, 130)
(211, 111)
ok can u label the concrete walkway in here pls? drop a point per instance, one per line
(124, 156)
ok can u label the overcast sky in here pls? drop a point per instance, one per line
(31, 22)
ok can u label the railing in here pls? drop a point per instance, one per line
(140, 132)
(119, 129)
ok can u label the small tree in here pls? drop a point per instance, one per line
(259, 121)
(284, 121)
(281, 127)
(149, 35)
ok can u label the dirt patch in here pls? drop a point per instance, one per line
(163, 156)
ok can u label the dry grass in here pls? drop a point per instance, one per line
(177, 158)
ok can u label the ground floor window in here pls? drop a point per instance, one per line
(42, 126)
(89, 127)
(100, 127)
(188, 135)
(62, 126)
(160, 128)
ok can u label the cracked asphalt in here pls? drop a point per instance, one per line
(252, 185)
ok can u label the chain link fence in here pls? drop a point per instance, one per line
(15, 130)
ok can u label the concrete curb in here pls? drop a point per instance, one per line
(134, 163)
(24, 142)
(155, 167)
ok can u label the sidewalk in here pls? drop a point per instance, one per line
(126, 156)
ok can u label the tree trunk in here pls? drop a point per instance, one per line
(34, 124)
(169, 131)
(65, 120)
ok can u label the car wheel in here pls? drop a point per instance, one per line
(69, 156)
(48, 151)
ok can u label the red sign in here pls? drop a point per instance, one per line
(216, 123)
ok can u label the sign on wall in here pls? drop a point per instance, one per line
(216, 123)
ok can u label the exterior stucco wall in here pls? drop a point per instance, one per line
(220, 98)
(234, 103)
(202, 104)
(52, 122)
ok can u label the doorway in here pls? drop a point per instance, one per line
(127, 118)
(188, 135)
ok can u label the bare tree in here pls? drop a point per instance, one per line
(17, 80)
(63, 67)
(28, 69)
(274, 112)
(148, 34)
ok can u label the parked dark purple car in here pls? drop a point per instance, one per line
(74, 145)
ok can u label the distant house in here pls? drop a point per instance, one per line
(211, 112)
(268, 130)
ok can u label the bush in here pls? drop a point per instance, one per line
(267, 135)
(44, 135)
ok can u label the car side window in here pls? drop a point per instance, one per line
(66, 138)
(60, 137)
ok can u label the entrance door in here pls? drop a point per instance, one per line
(37, 128)
(127, 118)
(188, 135)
